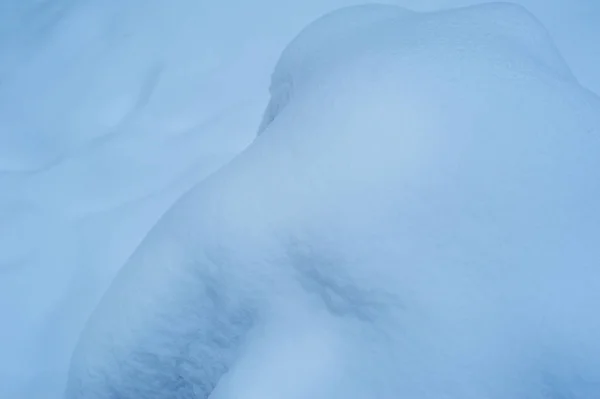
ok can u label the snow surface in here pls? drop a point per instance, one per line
(111, 109)
(418, 218)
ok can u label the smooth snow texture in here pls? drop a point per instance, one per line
(418, 218)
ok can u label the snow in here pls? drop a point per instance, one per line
(569, 21)
(416, 218)
(110, 110)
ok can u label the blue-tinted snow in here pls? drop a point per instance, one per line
(418, 218)
(111, 109)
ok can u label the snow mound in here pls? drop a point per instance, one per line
(325, 41)
(418, 218)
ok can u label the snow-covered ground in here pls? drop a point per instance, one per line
(427, 179)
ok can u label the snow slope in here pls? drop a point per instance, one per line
(417, 218)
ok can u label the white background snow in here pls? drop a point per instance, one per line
(110, 110)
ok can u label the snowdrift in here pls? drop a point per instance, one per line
(417, 218)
